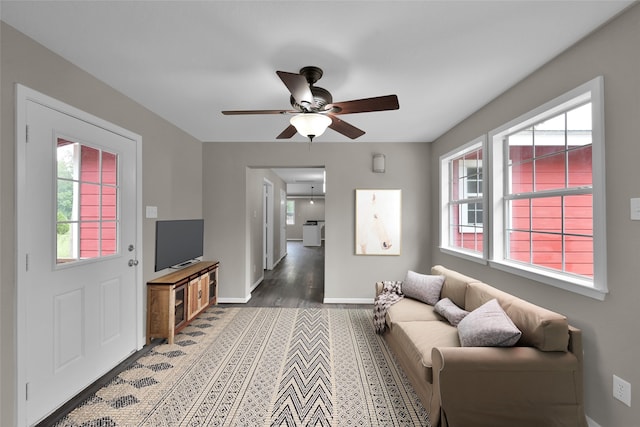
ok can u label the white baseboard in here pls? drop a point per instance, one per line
(234, 300)
(255, 284)
(278, 261)
(592, 423)
(348, 301)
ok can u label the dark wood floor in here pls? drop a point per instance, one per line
(297, 281)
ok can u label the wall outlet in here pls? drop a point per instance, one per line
(622, 390)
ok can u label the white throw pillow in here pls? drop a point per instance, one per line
(422, 287)
(488, 326)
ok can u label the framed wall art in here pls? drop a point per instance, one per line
(378, 222)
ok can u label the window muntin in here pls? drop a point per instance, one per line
(463, 200)
(87, 219)
(548, 201)
(549, 173)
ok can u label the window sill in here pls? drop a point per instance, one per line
(579, 286)
(468, 255)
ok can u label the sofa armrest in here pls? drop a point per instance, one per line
(511, 386)
(379, 286)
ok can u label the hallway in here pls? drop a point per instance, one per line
(296, 282)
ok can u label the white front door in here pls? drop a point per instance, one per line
(78, 279)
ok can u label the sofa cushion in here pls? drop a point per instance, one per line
(488, 326)
(422, 287)
(455, 284)
(447, 309)
(541, 328)
(479, 293)
(418, 338)
(407, 310)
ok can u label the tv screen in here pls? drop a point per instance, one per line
(178, 242)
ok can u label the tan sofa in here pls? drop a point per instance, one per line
(538, 382)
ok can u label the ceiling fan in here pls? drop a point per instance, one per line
(315, 110)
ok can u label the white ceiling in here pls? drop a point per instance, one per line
(188, 60)
(300, 180)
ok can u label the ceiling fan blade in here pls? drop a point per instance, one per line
(287, 133)
(298, 86)
(237, 112)
(345, 128)
(367, 105)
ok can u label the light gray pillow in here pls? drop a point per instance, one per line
(422, 287)
(488, 326)
(450, 311)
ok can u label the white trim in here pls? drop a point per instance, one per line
(551, 278)
(234, 300)
(348, 301)
(275, 264)
(256, 283)
(267, 226)
(592, 91)
(24, 95)
(445, 192)
(468, 255)
(592, 423)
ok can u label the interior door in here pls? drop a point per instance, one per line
(79, 273)
(283, 223)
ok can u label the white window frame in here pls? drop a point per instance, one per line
(290, 219)
(446, 172)
(592, 91)
(465, 226)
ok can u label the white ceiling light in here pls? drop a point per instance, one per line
(310, 124)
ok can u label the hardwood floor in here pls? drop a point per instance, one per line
(296, 282)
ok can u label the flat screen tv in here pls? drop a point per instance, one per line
(178, 242)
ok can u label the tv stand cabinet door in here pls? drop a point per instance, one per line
(194, 292)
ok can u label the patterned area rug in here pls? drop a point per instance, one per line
(241, 366)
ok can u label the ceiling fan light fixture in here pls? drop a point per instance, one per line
(310, 125)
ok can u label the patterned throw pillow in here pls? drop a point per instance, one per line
(422, 287)
(488, 326)
(450, 311)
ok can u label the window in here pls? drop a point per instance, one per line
(291, 212)
(463, 200)
(87, 202)
(548, 193)
(470, 173)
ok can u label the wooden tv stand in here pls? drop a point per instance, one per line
(175, 299)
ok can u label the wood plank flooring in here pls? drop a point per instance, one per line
(296, 282)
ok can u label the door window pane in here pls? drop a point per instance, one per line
(87, 218)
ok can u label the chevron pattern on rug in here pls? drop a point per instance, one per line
(305, 393)
(261, 367)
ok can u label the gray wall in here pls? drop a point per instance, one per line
(611, 340)
(228, 211)
(171, 175)
(305, 212)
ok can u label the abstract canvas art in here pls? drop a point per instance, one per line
(378, 222)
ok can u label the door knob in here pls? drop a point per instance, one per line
(133, 262)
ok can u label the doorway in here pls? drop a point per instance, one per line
(268, 224)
